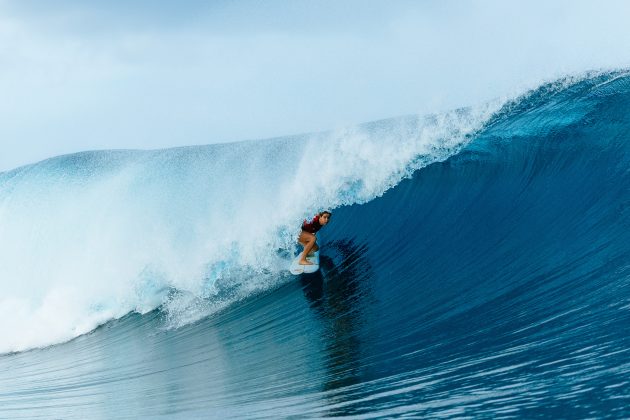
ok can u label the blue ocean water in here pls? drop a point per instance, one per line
(477, 264)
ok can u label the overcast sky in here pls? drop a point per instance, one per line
(84, 74)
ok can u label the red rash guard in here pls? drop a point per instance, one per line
(313, 226)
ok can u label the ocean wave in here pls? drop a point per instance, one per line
(92, 236)
(486, 278)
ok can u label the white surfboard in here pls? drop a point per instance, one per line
(297, 268)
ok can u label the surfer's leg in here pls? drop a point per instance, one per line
(308, 242)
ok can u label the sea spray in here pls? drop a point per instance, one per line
(92, 236)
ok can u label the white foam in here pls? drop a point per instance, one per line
(91, 237)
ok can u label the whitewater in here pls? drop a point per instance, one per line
(94, 235)
(476, 264)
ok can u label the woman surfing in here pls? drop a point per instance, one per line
(307, 237)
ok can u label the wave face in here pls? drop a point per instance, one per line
(477, 264)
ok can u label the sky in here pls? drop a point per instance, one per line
(81, 75)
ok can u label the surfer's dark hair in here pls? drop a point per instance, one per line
(321, 213)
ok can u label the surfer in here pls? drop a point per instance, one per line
(307, 237)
